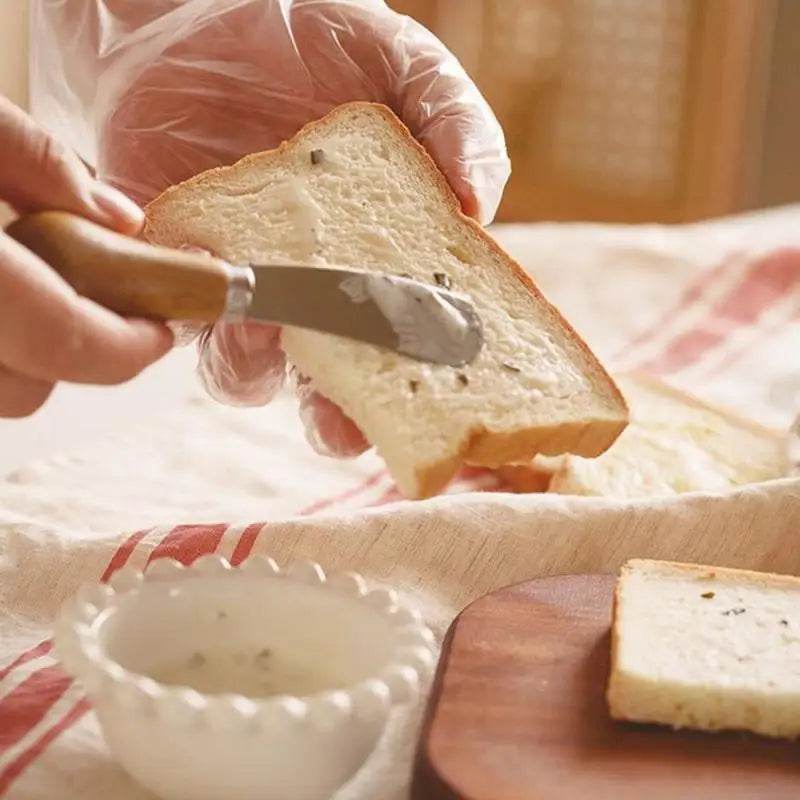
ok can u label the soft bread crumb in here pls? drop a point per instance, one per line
(706, 648)
(355, 188)
(675, 443)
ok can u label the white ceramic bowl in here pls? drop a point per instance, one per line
(212, 682)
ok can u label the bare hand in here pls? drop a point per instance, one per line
(47, 332)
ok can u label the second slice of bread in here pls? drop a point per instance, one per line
(356, 189)
(674, 443)
(706, 648)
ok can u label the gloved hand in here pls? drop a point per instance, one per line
(177, 86)
(48, 333)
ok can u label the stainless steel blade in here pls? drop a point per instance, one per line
(421, 321)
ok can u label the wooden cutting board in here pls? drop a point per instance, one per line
(518, 712)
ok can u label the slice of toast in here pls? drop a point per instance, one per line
(675, 443)
(706, 648)
(356, 189)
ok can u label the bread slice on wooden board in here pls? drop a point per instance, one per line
(675, 443)
(356, 189)
(706, 648)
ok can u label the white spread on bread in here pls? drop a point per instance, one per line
(426, 324)
(304, 214)
(383, 248)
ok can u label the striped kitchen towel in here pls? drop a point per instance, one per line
(728, 331)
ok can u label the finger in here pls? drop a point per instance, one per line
(447, 113)
(328, 429)
(50, 333)
(242, 364)
(39, 173)
(474, 168)
(20, 396)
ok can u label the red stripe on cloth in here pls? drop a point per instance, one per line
(392, 495)
(249, 536)
(124, 552)
(691, 297)
(246, 543)
(185, 543)
(118, 560)
(760, 335)
(24, 710)
(766, 281)
(19, 764)
(41, 649)
(327, 502)
(28, 703)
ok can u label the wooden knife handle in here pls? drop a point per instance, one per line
(126, 275)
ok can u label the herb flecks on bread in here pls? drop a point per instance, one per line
(706, 648)
(356, 189)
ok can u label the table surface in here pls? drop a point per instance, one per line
(75, 415)
(63, 520)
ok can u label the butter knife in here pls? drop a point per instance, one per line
(137, 279)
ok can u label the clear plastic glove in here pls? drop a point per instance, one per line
(154, 91)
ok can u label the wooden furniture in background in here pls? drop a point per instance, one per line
(780, 160)
(518, 711)
(618, 110)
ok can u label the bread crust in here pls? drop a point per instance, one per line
(613, 676)
(533, 478)
(481, 447)
(764, 580)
